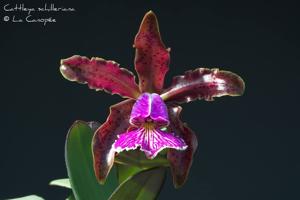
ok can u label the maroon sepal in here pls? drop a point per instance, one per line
(151, 57)
(181, 161)
(116, 123)
(203, 83)
(100, 74)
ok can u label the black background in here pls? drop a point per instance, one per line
(248, 146)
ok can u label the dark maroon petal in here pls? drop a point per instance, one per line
(203, 83)
(151, 57)
(105, 136)
(100, 74)
(149, 106)
(181, 161)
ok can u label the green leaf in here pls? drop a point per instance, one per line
(126, 171)
(78, 155)
(30, 197)
(137, 158)
(71, 197)
(145, 185)
(64, 182)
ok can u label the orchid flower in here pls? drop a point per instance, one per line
(149, 120)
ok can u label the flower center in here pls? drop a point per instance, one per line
(149, 124)
(149, 116)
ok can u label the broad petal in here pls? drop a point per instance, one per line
(150, 141)
(100, 74)
(105, 136)
(149, 106)
(204, 83)
(181, 161)
(151, 57)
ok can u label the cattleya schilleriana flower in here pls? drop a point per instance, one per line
(149, 119)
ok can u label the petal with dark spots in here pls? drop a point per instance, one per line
(151, 56)
(203, 83)
(116, 123)
(181, 161)
(100, 74)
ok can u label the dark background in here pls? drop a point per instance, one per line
(248, 146)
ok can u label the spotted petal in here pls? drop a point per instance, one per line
(149, 141)
(105, 136)
(151, 57)
(181, 161)
(100, 74)
(203, 83)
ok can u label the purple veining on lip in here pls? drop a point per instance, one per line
(149, 114)
(149, 141)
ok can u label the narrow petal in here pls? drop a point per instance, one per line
(149, 106)
(149, 141)
(181, 161)
(204, 83)
(151, 57)
(105, 136)
(100, 74)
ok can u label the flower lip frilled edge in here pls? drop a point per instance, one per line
(149, 114)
